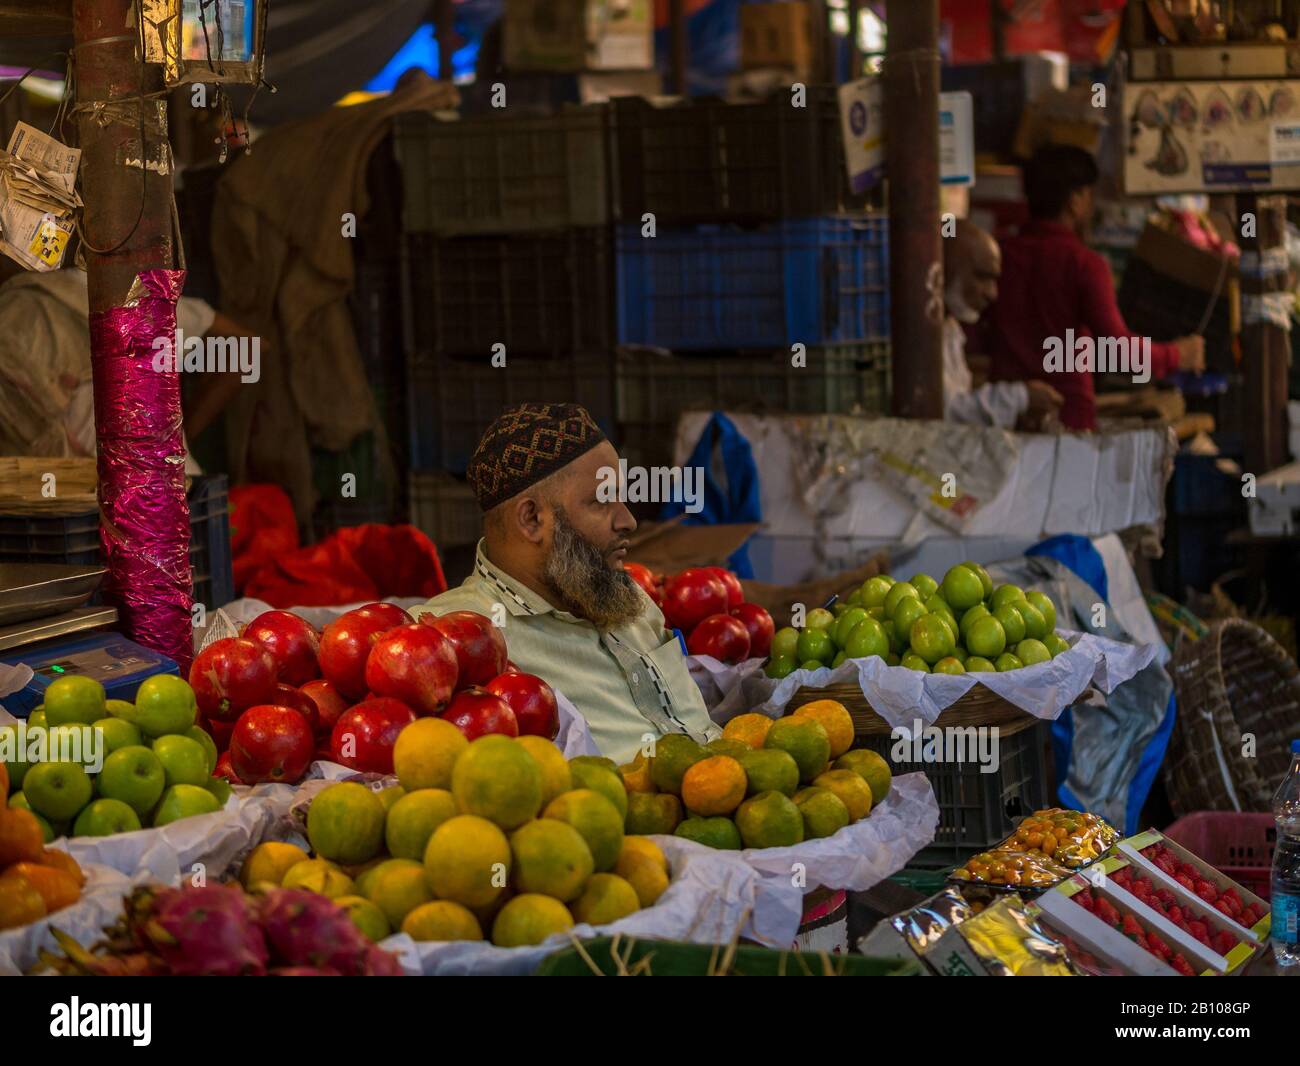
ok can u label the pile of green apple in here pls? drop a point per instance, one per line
(962, 625)
(86, 765)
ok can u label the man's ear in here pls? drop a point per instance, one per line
(528, 518)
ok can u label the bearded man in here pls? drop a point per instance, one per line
(550, 567)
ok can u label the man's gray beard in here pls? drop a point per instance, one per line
(579, 576)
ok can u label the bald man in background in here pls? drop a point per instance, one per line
(972, 264)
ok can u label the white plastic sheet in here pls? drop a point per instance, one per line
(715, 679)
(900, 696)
(100, 906)
(206, 843)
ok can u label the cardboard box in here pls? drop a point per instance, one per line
(1180, 261)
(776, 35)
(579, 35)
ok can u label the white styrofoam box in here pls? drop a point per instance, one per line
(1275, 508)
(1088, 484)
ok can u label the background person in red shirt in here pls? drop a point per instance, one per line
(1052, 282)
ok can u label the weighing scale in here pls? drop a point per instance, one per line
(47, 624)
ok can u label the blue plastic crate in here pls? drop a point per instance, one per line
(809, 281)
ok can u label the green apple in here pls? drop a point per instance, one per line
(819, 618)
(816, 644)
(1044, 605)
(785, 642)
(164, 704)
(977, 664)
(839, 658)
(970, 616)
(105, 817)
(184, 801)
(1006, 661)
(924, 584)
(983, 575)
(986, 637)
(846, 624)
(73, 698)
(204, 738)
(874, 590)
(1030, 651)
(37, 719)
(897, 594)
(135, 776)
(219, 787)
(949, 665)
(58, 790)
(1012, 621)
(76, 743)
(854, 598)
(18, 802)
(962, 587)
(13, 744)
(780, 666)
(868, 638)
(183, 760)
(1035, 623)
(120, 708)
(839, 608)
(1056, 644)
(1005, 594)
(117, 734)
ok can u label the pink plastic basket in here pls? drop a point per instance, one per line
(1237, 844)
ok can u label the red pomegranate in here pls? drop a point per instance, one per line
(329, 703)
(388, 613)
(415, 664)
(735, 594)
(345, 646)
(224, 769)
(480, 648)
(293, 643)
(288, 696)
(723, 637)
(691, 596)
(760, 626)
(532, 700)
(364, 735)
(271, 743)
(644, 577)
(231, 675)
(477, 712)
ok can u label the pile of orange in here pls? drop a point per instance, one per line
(35, 881)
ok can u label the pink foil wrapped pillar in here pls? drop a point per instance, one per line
(144, 516)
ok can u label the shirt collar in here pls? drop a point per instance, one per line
(517, 597)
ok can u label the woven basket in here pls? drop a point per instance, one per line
(979, 707)
(1233, 684)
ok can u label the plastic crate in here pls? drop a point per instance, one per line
(501, 175)
(74, 540)
(1238, 844)
(977, 810)
(454, 400)
(444, 509)
(801, 281)
(538, 294)
(710, 161)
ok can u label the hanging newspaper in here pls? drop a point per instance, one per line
(38, 198)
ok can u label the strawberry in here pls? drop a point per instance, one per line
(1183, 966)
(1129, 926)
(1188, 869)
(1234, 904)
(1165, 896)
(1206, 891)
(1167, 865)
(1247, 917)
(1197, 928)
(1224, 942)
(1174, 913)
(1085, 897)
(1185, 881)
(1141, 941)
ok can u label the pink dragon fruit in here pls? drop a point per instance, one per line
(208, 931)
(305, 929)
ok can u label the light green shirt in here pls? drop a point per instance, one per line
(627, 682)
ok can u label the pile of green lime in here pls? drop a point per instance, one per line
(960, 625)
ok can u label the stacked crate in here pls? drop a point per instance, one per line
(763, 287)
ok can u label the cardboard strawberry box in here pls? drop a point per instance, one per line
(1118, 926)
(1172, 867)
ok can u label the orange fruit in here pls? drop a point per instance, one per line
(58, 888)
(61, 860)
(714, 786)
(749, 729)
(20, 902)
(835, 719)
(636, 775)
(21, 838)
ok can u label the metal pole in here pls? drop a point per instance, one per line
(445, 17)
(911, 111)
(1265, 347)
(855, 45)
(681, 45)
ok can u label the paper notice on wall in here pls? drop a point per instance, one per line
(1284, 142)
(862, 126)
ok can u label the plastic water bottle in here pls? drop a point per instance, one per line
(1285, 931)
